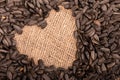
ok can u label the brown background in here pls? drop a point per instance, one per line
(55, 44)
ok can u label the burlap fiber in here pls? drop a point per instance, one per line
(55, 44)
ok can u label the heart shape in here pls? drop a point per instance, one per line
(97, 34)
(55, 44)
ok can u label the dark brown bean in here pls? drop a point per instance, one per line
(90, 32)
(46, 77)
(42, 24)
(9, 75)
(103, 67)
(79, 15)
(104, 1)
(93, 55)
(46, 1)
(66, 77)
(17, 29)
(25, 61)
(117, 56)
(97, 22)
(111, 65)
(30, 5)
(95, 39)
(3, 51)
(104, 7)
(101, 60)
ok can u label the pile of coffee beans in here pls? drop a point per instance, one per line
(97, 35)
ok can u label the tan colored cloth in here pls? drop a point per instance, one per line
(55, 44)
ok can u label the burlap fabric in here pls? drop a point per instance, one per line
(55, 44)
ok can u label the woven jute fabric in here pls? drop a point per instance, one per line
(55, 44)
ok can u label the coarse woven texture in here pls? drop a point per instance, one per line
(55, 44)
